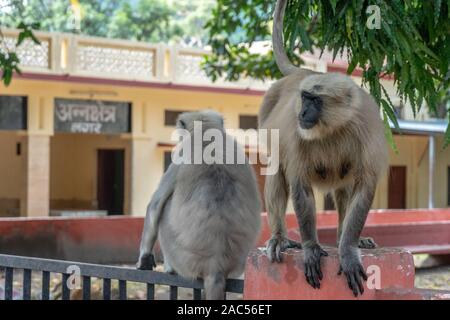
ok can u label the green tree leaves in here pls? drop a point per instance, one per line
(412, 45)
(143, 20)
(27, 33)
(9, 64)
(9, 61)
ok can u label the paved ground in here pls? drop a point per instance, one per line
(428, 277)
(433, 278)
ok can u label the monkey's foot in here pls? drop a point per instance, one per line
(146, 262)
(169, 269)
(354, 272)
(367, 243)
(313, 271)
(278, 244)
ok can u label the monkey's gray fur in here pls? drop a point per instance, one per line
(331, 137)
(206, 217)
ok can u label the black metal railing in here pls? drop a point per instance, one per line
(10, 263)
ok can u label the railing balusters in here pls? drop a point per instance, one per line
(65, 288)
(173, 293)
(122, 290)
(9, 275)
(45, 285)
(150, 291)
(109, 274)
(197, 294)
(26, 286)
(106, 289)
(86, 288)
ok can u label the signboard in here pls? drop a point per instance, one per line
(13, 113)
(92, 116)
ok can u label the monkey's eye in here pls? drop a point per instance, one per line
(318, 87)
(307, 96)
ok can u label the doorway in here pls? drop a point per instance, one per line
(397, 187)
(110, 180)
(448, 187)
(328, 202)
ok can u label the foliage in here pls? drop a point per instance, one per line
(9, 62)
(143, 20)
(149, 21)
(412, 45)
(179, 21)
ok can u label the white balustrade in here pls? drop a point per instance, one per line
(31, 55)
(120, 59)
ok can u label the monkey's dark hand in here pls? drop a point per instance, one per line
(278, 244)
(366, 243)
(353, 271)
(313, 271)
(146, 262)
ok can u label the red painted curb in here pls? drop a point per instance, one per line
(386, 268)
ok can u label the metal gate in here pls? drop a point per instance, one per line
(13, 264)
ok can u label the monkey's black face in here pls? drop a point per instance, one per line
(311, 110)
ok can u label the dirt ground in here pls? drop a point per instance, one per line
(433, 278)
(432, 273)
(426, 278)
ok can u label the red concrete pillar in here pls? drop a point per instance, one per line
(386, 268)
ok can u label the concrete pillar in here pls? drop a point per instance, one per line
(431, 169)
(144, 155)
(143, 179)
(35, 196)
(386, 268)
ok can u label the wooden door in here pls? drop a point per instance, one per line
(110, 180)
(397, 187)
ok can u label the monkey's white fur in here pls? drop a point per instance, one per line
(343, 151)
(207, 217)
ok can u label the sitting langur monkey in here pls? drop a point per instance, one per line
(332, 138)
(206, 216)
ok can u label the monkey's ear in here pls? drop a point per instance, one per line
(349, 94)
(181, 124)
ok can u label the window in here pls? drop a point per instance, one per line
(13, 113)
(248, 122)
(167, 159)
(171, 116)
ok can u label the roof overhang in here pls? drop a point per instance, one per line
(426, 128)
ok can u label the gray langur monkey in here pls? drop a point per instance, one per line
(206, 216)
(332, 138)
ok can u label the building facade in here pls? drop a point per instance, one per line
(87, 127)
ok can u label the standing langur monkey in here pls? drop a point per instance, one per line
(332, 138)
(206, 216)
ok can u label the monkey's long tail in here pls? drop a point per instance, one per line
(215, 286)
(284, 64)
